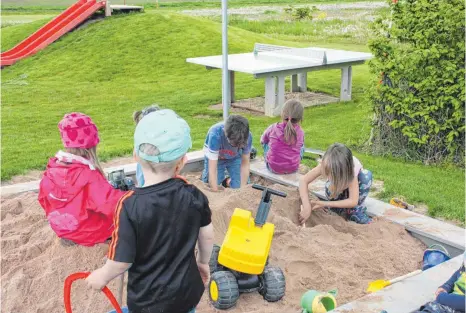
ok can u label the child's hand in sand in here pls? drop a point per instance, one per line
(304, 214)
(317, 204)
(204, 270)
(96, 280)
(217, 189)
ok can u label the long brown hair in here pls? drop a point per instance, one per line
(89, 154)
(338, 167)
(292, 114)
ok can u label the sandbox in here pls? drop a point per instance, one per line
(328, 253)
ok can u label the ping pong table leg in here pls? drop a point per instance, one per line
(302, 82)
(232, 86)
(270, 95)
(294, 83)
(280, 95)
(346, 78)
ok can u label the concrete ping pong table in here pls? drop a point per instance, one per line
(274, 63)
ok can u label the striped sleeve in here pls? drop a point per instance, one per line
(123, 245)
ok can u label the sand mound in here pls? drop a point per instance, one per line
(329, 253)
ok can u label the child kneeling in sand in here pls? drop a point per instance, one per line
(74, 193)
(283, 142)
(157, 226)
(449, 298)
(347, 186)
(227, 148)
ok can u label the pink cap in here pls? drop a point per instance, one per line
(78, 131)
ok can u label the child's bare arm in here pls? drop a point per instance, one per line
(304, 192)
(244, 169)
(213, 174)
(304, 184)
(102, 276)
(351, 202)
(205, 242)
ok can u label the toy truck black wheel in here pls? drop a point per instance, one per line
(273, 284)
(223, 290)
(213, 262)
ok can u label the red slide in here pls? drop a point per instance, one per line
(63, 23)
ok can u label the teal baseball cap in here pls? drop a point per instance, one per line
(165, 130)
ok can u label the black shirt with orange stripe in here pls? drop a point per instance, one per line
(156, 229)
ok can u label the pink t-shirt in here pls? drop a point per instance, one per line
(357, 166)
(282, 157)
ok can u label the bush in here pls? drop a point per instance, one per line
(301, 13)
(418, 92)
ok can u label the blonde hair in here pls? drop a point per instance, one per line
(338, 167)
(292, 113)
(138, 115)
(89, 154)
(156, 168)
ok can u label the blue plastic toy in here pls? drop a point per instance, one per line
(434, 255)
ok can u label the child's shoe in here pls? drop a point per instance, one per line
(359, 216)
(253, 153)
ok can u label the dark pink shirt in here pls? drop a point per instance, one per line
(282, 158)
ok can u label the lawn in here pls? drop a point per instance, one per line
(60, 4)
(111, 68)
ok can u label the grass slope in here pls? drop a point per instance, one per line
(9, 6)
(111, 68)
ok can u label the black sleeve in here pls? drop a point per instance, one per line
(206, 214)
(203, 206)
(123, 245)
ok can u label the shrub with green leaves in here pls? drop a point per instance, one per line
(301, 13)
(418, 92)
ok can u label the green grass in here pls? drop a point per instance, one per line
(10, 20)
(12, 6)
(111, 68)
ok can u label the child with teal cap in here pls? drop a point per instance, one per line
(450, 297)
(158, 226)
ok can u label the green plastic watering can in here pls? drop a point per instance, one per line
(314, 301)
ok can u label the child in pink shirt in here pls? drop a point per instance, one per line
(283, 142)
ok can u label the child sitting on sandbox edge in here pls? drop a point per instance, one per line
(227, 148)
(78, 200)
(449, 298)
(159, 224)
(348, 185)
(283, 142)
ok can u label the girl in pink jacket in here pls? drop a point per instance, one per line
(283, 142)
(77, 199)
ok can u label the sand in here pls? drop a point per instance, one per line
(328, 253)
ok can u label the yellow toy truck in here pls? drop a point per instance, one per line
(240, 265)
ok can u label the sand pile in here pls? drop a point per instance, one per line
(329, 253)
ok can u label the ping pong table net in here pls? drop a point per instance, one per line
(309, 53)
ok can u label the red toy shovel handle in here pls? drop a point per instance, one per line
(83, 275)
